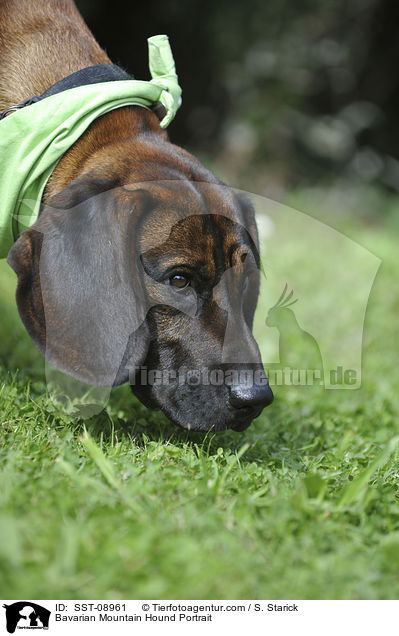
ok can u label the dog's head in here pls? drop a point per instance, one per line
(153, 283)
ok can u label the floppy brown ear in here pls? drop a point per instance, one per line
(80, 292)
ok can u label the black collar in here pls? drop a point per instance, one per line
(89, 75)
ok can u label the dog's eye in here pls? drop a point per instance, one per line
(179, 281)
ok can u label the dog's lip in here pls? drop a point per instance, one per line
(240, 417)
(242, 426)
(245, 416)
(242, 412)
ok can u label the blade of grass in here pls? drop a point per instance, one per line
(353, 490)
(101, 461)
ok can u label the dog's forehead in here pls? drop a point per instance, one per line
(191, 217)
(202, 241)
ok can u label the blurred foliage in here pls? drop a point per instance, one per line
(309, 89)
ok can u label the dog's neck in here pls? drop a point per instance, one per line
(30, 64)
(121, 126)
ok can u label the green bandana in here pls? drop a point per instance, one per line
(33, 139)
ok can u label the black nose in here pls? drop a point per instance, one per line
(259, 395)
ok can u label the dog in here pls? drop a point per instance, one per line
(141, 258)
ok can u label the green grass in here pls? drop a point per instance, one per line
(304, 504)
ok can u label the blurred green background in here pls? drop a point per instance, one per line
(279, 93)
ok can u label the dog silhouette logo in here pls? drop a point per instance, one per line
(26, 615)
